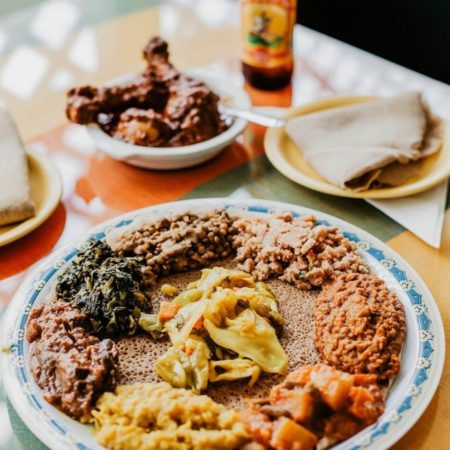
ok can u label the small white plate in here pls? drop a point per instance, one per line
(164, 158)
(422, 356)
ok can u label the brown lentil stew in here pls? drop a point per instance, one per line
(360, 325)
(183, 242)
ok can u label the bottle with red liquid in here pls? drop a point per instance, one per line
(267, 32)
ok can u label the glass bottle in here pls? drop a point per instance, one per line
(267, 31)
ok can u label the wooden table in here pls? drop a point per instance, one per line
(40, 61)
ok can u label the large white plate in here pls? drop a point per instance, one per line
(412, 390)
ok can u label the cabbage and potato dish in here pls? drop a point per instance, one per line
(223, 327)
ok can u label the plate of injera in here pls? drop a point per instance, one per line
(284, 154)
(409, 394)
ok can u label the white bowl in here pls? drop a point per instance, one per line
(163, 158)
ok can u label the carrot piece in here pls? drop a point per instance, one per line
(189, 351)
(288, 435)
(168, 310)
(334, 386)
(364, 379)
(301, 375)
(199, 324)
(335, 393)
(364, 405)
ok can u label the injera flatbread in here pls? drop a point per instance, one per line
(352, 146)
(16, 203)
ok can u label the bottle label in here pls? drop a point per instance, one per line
(267, 32)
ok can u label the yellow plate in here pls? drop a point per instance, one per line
(289, 160)
(46, 190)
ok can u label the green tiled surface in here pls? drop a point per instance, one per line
(16, 16)
(22, 438)
(9, 6)
(97, 10)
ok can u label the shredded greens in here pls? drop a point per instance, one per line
(106, 287)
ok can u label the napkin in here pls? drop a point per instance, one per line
(350, 145)
(16, 203)
(422, 214)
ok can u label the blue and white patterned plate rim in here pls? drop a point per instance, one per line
(424, 377)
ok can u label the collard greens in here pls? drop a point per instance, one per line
(106, 287)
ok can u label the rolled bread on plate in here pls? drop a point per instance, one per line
(352, 146)
(16, 203)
